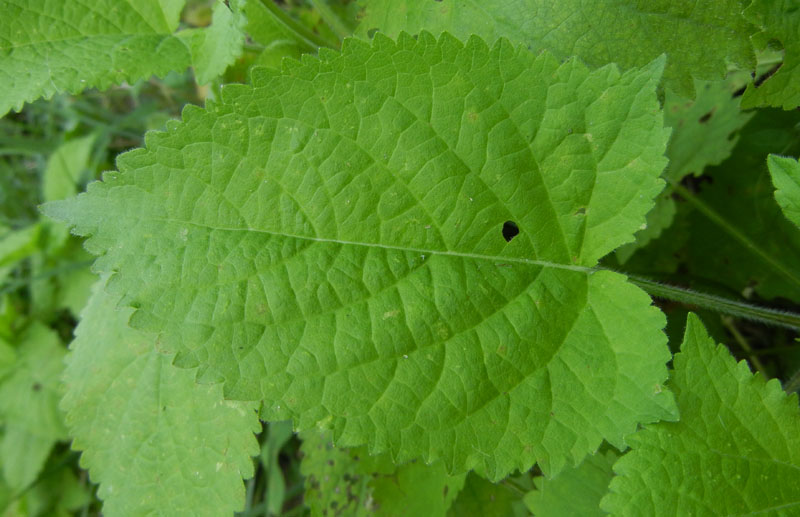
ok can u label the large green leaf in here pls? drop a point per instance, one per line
(779, 20)
(699, 38)
(156, 442)
(70, 45)
(735, 451)
(330, 240)
(786, 178)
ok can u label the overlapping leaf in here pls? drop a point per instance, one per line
(735, 450)
(699, 38)
(786, 178)
(351, 482)
(331, 240)
(70, 45)
(576, 491)
(779, 20)
(703, 133)
(156, 442)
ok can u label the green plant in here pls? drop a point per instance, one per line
(431, 247)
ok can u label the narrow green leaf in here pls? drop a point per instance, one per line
(786, 178)
(331, 240)
(19, 244)
(156, 442)
(699, 38)
(65, 168)
(735, 450)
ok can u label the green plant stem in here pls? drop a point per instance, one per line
(743, 239)
(331, 19)
(300, 32)
(717, 303)
(793, 384)
(740, 339)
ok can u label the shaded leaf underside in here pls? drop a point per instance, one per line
(329, 240)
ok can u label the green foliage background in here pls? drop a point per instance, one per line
(306, 302)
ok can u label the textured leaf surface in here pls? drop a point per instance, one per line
(627, 32)
(70, 45)
(779, 20)
(156, 442)
(735, 450)
(331, 240)
(786, 178)
(351, 482)
(575, 491)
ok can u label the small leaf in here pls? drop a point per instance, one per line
(786, 178)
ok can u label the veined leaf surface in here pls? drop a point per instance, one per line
(627, 32)
(331, 241)
(735, 451)
(70, 45)
(156, 442)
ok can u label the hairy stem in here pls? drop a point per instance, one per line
(331, 19)
(718, 304)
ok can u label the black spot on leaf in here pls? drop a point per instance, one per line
(510, 230)
(705, 118)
